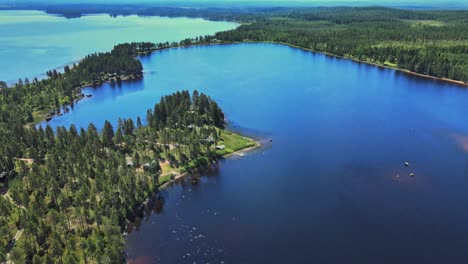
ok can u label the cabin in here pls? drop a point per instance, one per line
(150, 166)
(3, 183)
(147, 167)
(210, 139)
(220, 147)
(129, 162)
(3, 176)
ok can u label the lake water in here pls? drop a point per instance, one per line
(33, 42)
(325, 189)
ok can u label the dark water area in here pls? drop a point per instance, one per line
(326, 189)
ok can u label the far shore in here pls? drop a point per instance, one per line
(461, 83)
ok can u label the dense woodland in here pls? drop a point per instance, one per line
(71, 192)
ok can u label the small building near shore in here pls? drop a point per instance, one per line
(220, 147)
(3, 176)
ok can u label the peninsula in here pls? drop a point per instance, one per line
(68, 194)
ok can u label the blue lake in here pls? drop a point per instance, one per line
(33, 42)
(325, 190)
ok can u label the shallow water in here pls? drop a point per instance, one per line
(33, 42)
(325, 189)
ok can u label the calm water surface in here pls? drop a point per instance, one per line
(33, 42)
(324, 191)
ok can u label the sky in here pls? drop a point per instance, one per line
(432, 3)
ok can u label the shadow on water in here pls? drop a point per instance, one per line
(155, 205)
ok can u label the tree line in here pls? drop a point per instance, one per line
(427, 42)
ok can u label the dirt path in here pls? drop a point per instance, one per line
(19, 233)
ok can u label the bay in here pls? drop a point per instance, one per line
(325, 189)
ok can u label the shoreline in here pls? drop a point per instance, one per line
(42, 117)
(129, 225)
(442, 79)
(452, 81)
(185, 174)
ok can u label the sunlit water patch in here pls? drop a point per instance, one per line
(34, 42)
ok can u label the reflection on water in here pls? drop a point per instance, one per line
(155, 205)
(181, 229)
(462, 141)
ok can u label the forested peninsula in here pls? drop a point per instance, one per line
(67, 195)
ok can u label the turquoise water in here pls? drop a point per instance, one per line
(325, 190)
(33, 42)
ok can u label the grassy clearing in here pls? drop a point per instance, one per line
(39, 116)
(233, 142)
(166, 168)
(391, 64)
(432, 23)
(165, 178)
